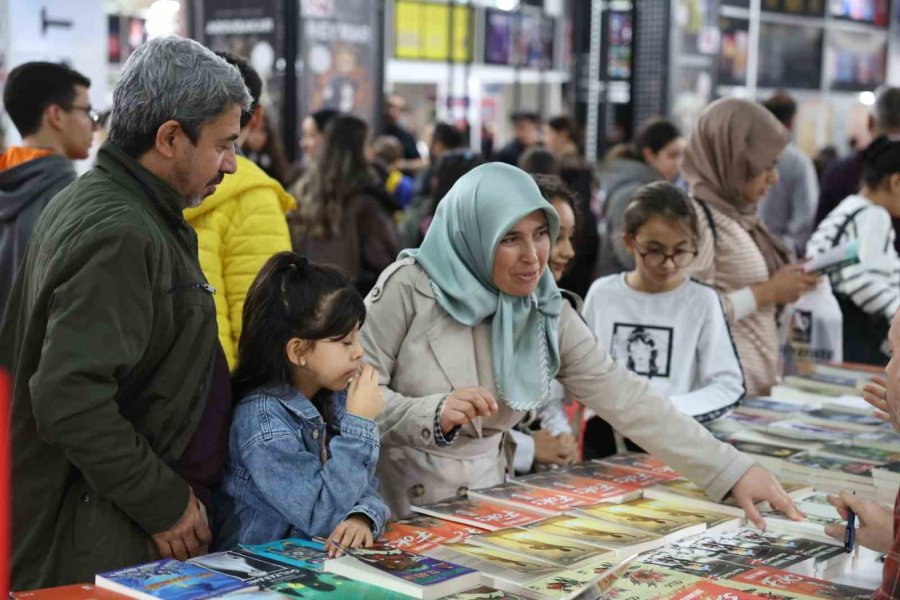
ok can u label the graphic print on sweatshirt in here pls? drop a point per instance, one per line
(645, 350)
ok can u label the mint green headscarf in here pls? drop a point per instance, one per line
(458, 255)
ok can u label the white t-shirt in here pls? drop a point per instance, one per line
(678, 340)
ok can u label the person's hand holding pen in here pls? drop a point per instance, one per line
(876, 524)
(466, 404)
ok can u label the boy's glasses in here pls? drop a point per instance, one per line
(655, 259)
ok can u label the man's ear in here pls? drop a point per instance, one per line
(256, 121)
(166, 138)
(53, 116)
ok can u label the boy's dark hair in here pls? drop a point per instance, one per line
(539, 161)
(251, 79)
(565, 124)
(782, 106)
(524, 115)
(291, 298)
(553, 188)
(33, 86)
(880, 160)
(449, 136)
(663, 200)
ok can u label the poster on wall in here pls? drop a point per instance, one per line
(806, 8)
(790, 56)
(339, 54)
(733, 51)
(249, 29)
(875, 12)
(523, 39)
(856, 60)
(421, 31)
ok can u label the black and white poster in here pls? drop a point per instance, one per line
(645, 350)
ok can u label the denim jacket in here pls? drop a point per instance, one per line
(278, 482)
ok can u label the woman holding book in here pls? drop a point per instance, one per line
(730, 164)
(468, 332)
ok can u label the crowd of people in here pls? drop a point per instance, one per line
(211, 346)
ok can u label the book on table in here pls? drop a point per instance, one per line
(762, 580)
(296, 552)
(486, 592)
(589, 489)
(876, 456)
(500, 569)
(415, 575)
(78, 591)
(670, 527)
(712, 590)
(638, 461)
(169, 579)
(249, 567)
(421, 533)
(601, 534)
(643, 581)
(714, 519)
(550, 502)
(826, 384)
(565, 553)
(476, 512)
(629, 478)
(829, 417)
(329, 585)
(590, 582)
(768, 407)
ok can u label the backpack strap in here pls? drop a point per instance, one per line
(840, 230)
(709, 219)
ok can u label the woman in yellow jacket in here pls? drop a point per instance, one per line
(239, 227)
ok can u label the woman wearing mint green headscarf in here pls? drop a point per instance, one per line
(468, 332)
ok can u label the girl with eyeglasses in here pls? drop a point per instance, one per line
(659, 323)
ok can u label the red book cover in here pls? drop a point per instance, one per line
(422, 533)
(552, 502)
(480, 513)
(775, 579)
(79, 591)
(641, 462)
(595, 490)
(618, 475)
(707, 590)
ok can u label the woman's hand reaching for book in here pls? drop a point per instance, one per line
(354, 532)
(875, 393)
(758, 485)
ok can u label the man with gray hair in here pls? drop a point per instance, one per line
(110, 334)
(842, 177)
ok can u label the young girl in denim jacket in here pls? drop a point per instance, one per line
(303, 446)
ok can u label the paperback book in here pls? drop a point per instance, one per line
(767, 578)
(601, 534)
(543, 500)
(696, 562)
(79, 591)
(407, 535)
(587, 583)
(669, 526)
(825, 416)
(686, 493)
(327, 585)
(562, 552)
(850, 471)
(590, 489)
(640, 462)
(169, 579)
(714, 520)
(628, 478)
(486, 592)
(476, 512)
(295, 552)
(248, 567)
(876, 456)
(500, 569)
(411, 574)
(708, 590)
(643, 581)
(825, 384)
(769, 407)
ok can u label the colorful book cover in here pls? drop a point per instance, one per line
(310, 584)
(862, 453)
(484, 592)
(295, 552)
(247, 566)
(611, 473)
(770, 450)
(707, 590)
(525, 568)
(683, 487)
(606, 535)
(480, 513)
(414, 568)
(801, 430)
(644, 581)
(698, 563)
(687, 513)
(763, 405)
(79, 591)
(637, 461)
(838, 418)
(415, 540)
(833, 465)
(743, 553)
(791, 543)
(591, 489)
(537, 498)
(630, 516)
(549, 548)
(590, 581)
(782, 581)
(170, 579)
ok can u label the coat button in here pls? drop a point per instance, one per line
(417, 490)
(463, 491)
(426, 433)
(315, 434)
(376, 293)
(86, 498)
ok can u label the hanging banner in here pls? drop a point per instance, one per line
(340, 57)
(421, 31)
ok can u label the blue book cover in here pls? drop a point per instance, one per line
(414, 568)
(170, 579)
(296, 552)
(248, 567)
(329, 585)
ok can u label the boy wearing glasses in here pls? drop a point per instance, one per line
(49, 105)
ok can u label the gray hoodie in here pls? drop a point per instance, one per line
(24, 192)
(619, 180)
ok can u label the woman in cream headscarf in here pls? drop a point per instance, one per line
(467, 333)
(730, 166)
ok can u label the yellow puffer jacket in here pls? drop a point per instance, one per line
(238, 229)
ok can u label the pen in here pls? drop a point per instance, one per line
(850, 533)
